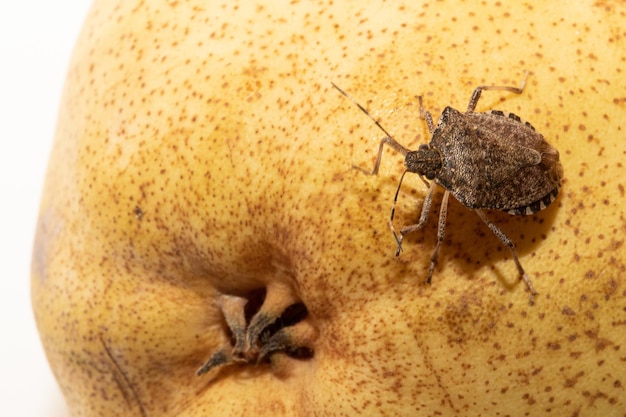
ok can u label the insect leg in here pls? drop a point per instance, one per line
(441, 229)
(425, 114)
(476, 95)
(505, 240)
(389, 141)
(421, 222)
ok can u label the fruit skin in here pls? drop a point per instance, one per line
(201, 150)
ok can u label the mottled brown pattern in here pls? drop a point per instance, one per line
(487, 160)
(218, 121)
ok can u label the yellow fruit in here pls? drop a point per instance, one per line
(202, 158)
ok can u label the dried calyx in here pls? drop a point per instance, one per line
(264, 325)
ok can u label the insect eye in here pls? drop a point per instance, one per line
(430, 175)
(423, 147)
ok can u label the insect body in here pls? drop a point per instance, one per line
(491, 160)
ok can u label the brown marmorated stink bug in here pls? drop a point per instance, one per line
(491, 160)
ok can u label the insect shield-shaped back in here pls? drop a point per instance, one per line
(424, 161)
(490, 160)
(496, 161)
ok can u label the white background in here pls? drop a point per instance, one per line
(36, 41)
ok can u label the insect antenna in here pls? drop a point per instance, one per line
(393, 212)
(395, 145)
(389, 140)
(362, 109)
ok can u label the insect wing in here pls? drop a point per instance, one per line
(521, 170)
(495, 161)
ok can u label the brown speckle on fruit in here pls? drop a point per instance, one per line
(218, 122)
(138, 213)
